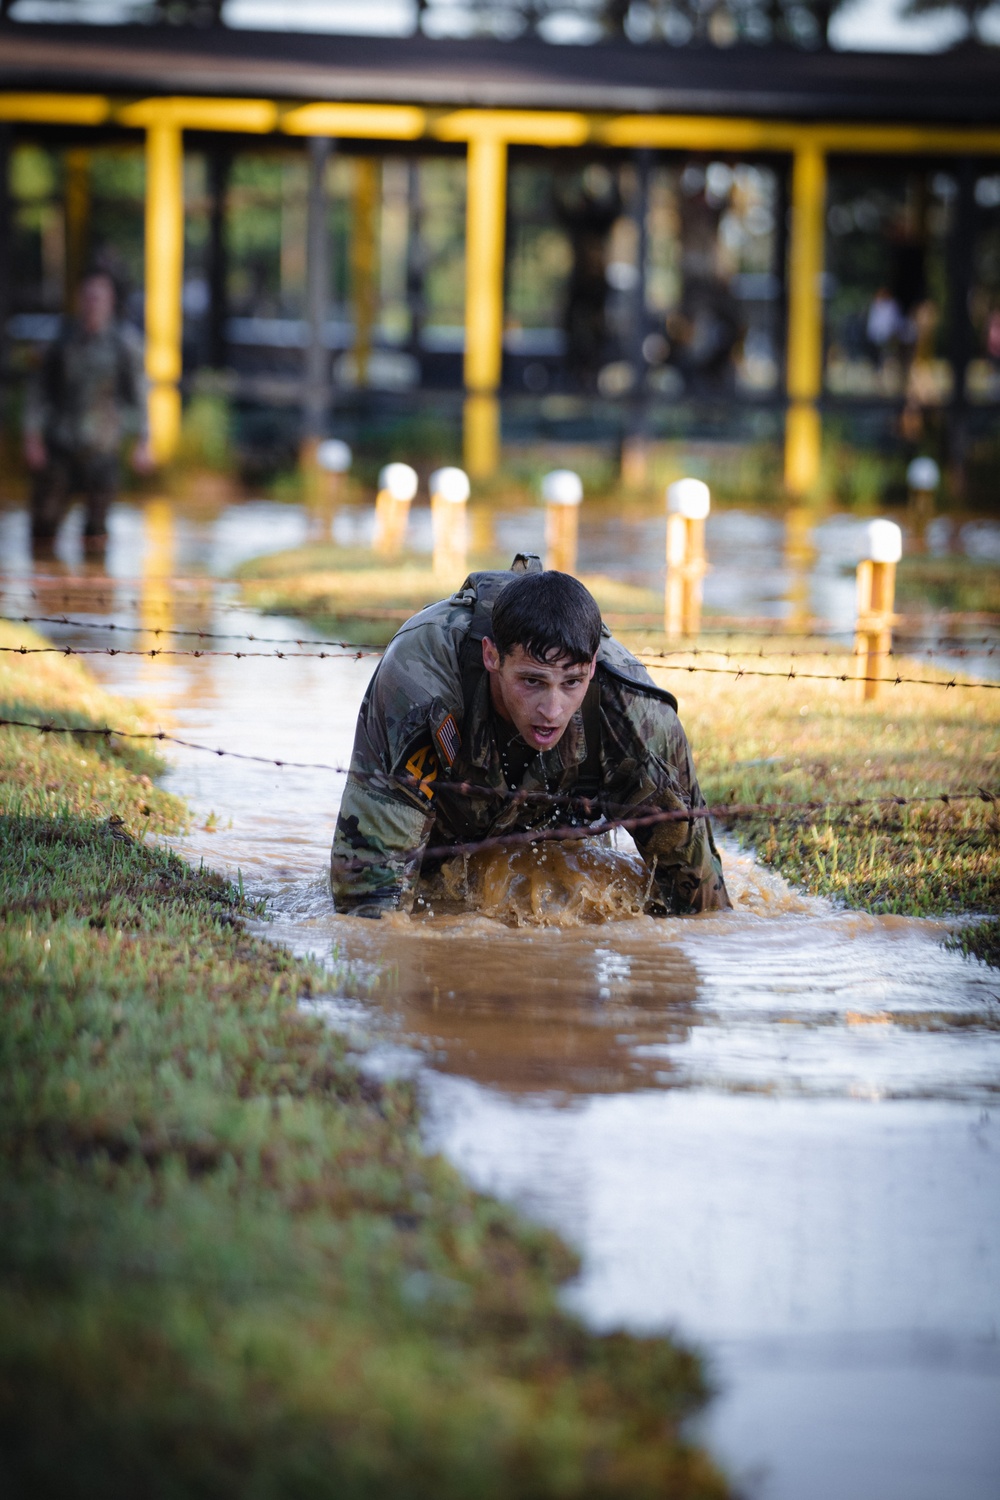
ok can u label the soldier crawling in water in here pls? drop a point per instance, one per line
(88, 396)
(505, 708)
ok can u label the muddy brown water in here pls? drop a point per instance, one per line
(771, 1131)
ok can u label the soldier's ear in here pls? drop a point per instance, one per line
(593, 668)
(491, 656)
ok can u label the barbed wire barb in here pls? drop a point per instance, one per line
(725, 812)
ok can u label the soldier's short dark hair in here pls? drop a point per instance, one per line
(550, 615)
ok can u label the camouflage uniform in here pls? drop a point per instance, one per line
(427, 719)
(89, 394)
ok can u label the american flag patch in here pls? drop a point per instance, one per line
(449, 741)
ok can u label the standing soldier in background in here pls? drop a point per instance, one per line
(87, 398)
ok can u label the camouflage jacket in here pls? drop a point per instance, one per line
(426, 771)
(90, 392)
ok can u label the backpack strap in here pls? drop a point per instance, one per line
(650, 689)
(480, 590)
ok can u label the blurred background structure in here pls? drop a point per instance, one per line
(504, 222)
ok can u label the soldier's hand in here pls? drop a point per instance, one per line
(35, 453)
(373, 909)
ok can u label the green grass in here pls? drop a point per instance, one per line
(949, 583)
(980, 940)
(226, 1264)
(353, 594)
(779, 741)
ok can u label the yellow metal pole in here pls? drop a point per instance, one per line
(486, 211)
(164, 277)
(77, 202)
(364, 261)
(805, 318)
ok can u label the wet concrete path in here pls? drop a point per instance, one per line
(773, 1132)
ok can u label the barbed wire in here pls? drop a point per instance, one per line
(184, 651)
(844, 650)
(657, 659)
(355, 654)
(364, 648)
(986, 646)
(723, 812)
(727, 625)
(413, 783)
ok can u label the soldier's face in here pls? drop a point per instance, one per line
(96, 303)
(538, 698)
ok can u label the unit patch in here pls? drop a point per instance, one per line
(423, 767)
(448, 739)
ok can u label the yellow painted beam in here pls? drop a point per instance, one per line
(253, 116)
(906, 139)
(723, 133)
(698, 133)
(164, 283)
(520, 127)
(517, 127)
(55, 109)
(805, 318)
(395, 122)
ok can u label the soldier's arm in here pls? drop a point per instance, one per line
(38, 394)
(687, 870)
(387, 812)
(377, 848)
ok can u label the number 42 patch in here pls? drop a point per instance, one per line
(423, 767)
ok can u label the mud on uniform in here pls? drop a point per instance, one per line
(427, 719)
(89, 394)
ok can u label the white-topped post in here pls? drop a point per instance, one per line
(397, 485)
(449, 500)
(562, 491)
(882, 548)
(688, 504)
(330, 461)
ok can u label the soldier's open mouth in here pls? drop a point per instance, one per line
(545, 736)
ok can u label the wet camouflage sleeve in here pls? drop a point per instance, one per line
(656, 772)
(387, 812)
(37, 394)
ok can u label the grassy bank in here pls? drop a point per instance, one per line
(226, 1266)
(949, 583)
(784, 741)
